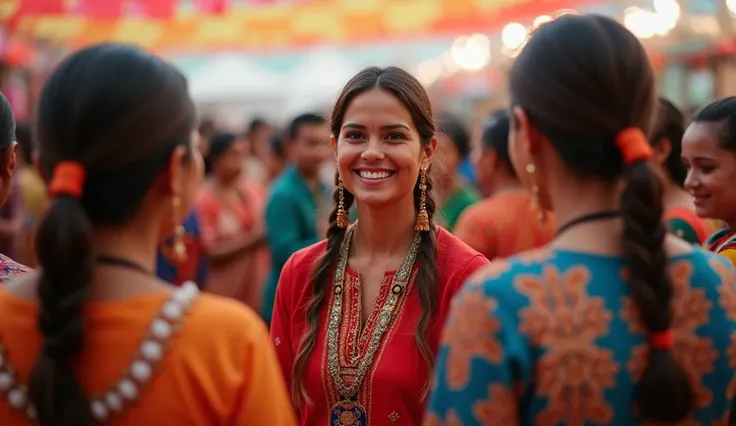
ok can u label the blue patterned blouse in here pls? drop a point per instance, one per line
(551, 337)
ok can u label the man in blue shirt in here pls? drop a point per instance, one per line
(299, 204)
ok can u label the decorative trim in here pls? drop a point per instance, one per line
(138, 374)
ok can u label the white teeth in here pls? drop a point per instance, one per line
(374, 175)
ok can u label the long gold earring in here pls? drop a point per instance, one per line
(178, 245)
(422, 223)
(536, 204)
(342, 214)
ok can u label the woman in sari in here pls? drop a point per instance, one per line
(230, 210)
(357, 317)
(94, 336)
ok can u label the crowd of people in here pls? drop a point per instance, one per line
(573, 263)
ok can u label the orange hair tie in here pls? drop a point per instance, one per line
(68, 179)
(662, 340)
(633, 144)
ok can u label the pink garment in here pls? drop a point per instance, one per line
(223, 222)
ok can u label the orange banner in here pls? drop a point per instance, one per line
(274, 26)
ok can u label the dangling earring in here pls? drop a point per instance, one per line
(422, 223)
(342, 214)
(178, 246)
(536, 204)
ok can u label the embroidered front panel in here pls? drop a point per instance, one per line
(343, 304)
(369, 389)
(354, 342)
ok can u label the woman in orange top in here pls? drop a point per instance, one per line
(356, 318)
(231, 211)
(507, 222)
(115, 132)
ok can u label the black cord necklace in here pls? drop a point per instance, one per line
(124, 263)
(608, 214)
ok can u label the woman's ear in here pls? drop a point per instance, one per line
(428, 151)
(333, 144)
(526, 133)
(177, 170)
(662, 151)
(9, 158)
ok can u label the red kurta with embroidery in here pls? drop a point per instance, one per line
(392, 390)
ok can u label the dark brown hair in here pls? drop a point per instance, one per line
(670, 125)
(722, 113)
(119, 112)
(581, 80)
(412, 95)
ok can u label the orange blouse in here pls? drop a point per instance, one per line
(503, 225)
(220, 369)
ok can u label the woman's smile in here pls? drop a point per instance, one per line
(374, 176)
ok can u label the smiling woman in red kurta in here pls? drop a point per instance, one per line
(392, 390)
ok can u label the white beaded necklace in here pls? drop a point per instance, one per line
(138, 374)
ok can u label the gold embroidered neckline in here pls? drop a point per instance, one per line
(398, 288)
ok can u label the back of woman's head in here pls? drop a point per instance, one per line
(220, 143)
(7, 148)
(721, 112)
(455, 130)
(585, 83)
(25, 143)
(496, 137)
(670, 126)
(7, 123)
(118, 114)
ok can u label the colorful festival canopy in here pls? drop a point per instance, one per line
(172, 25)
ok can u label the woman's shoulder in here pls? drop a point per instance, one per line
(224, 323)
(687, 225)
(212, 314)
(720, 237)
(304, 258)
(456, 260)
(297, 267)
(10, 269)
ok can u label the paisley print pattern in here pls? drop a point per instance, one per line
(553, 337)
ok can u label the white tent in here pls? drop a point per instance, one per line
(316, 82)
(230, 79)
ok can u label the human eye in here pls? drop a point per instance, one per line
(353, 135)
(395, 136)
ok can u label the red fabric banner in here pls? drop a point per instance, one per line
(41, 7)
(157, 9)
(214, 7)
(96, 9)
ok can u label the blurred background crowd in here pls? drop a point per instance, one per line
(264, 73)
